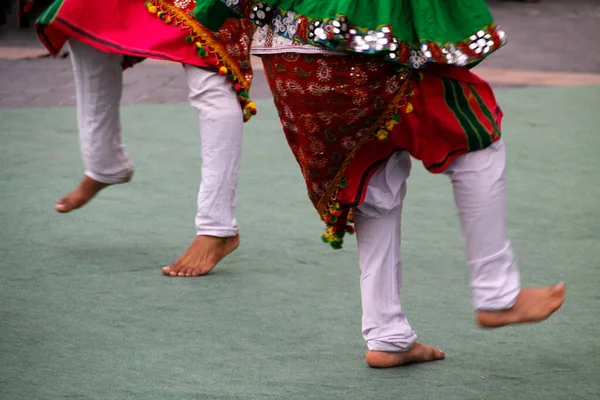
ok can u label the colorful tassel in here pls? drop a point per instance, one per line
(382, 134)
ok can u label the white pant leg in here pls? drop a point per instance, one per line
(98, 85)
(221, 125)
(479, 184)
(377, 222)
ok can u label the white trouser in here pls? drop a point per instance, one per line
(478, 181)
(98, 82)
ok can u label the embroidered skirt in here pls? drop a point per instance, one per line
(344, 116)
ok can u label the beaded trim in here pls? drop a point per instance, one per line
(208, 49)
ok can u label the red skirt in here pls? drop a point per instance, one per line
(159, 29)
(344, 116)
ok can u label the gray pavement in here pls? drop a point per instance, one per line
(47, 82)
(554, 35)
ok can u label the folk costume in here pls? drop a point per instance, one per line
(360, 86)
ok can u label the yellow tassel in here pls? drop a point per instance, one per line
(409, 108)
(382, 134)
(250, 108)
(152, 9)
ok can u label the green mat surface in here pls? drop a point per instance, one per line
(86, 314)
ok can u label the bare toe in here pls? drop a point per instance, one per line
(202, 256)
(196, 272)
(60, 206)
(79, 197)
(184, 271)
(69, 202)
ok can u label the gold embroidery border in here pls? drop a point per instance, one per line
(201, 32)
(329, 198)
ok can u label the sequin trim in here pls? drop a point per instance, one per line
(339, 34)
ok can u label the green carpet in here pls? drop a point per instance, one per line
(85, 313)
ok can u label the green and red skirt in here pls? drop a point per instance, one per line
(344, 116)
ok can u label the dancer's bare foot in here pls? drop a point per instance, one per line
(417, 353)
(532, 305)
(85, 192)
(202, 256)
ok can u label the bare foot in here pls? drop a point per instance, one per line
(202, 256)
(417, 353)
(532, 305)
(79, 197)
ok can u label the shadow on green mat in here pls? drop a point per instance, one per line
(85, 313)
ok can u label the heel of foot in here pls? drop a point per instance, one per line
(493, 319)
(416, 354)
